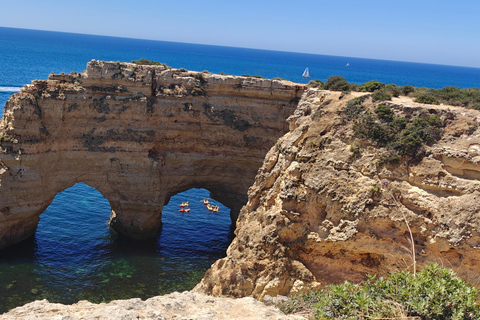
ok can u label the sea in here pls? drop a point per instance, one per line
(74, 255)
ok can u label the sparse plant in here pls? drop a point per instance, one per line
(375, 189)
(355, 149)
(386, 185)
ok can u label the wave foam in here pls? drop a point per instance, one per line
(10, 89)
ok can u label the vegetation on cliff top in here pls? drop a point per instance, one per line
(146, 62)
(434, 293)
(469, 98)
(401, 137)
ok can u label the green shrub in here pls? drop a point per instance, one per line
(368, 128)
(372, 86)
(355, 149)
(398, 124)
(393, 90)
(406, 90)
(422, 130)
(427, 99)
(389, 157)
(315, 83)
(381, 95)
(143, 61)
(401, 138)
(336, 83)
(354, 107)
(384, 112)
(434, 293)
(354, 87)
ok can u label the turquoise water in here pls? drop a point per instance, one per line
(74, 255)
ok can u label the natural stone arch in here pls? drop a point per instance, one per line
(137, 134)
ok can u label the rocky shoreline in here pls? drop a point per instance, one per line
(179, 306)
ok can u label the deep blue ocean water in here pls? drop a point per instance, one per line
(74, 255)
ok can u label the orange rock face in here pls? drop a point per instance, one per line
(138, 134)
(318, 213)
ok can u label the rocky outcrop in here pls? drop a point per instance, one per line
(322, 210)
(186, 305)
(138, 134)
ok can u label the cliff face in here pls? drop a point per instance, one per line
(138, 134)
(322, 210)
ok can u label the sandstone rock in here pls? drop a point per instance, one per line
(314, 215)
(137, 134)
(179, 306)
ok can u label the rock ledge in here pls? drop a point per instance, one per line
(186, 305)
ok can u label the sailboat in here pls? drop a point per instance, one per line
(306, 74)
(347, 65)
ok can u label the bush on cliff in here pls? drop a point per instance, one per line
(398, 136)
(434, 293)
(427, 99)
(144, 61)
(336, 83)
(381, 95)
(372, 86)
(469, 97)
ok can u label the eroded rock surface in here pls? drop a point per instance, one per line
(318, 214)
(138, 134)
(186, 305)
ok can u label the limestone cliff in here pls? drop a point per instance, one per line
(318, 213)
(138, 134)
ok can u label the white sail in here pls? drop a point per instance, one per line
(306, 74)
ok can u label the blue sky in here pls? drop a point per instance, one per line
(440, 32)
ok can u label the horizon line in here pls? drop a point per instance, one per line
(247, 48)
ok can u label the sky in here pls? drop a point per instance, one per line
(439, 32)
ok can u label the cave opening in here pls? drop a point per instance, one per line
(74, 254)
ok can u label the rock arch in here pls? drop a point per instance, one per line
(137, 134)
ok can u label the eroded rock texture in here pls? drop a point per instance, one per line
(178, 306)
(138, 134)
(318, 213)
